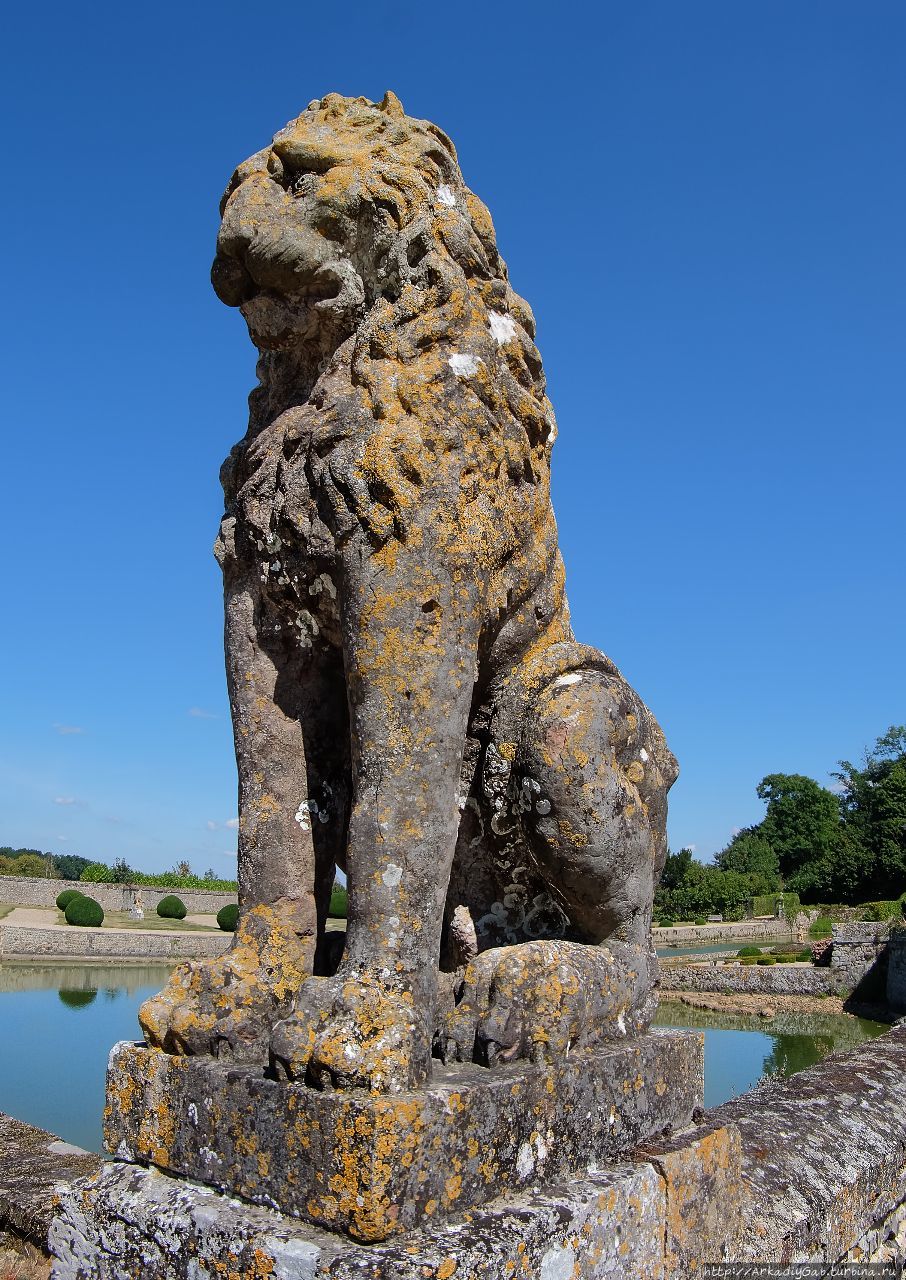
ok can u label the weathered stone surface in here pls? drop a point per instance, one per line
(35, 1166)
(704, 1210)
(132, 1222)
(17, 941)
(373, 1166)
(408, 698)
(896, 972)
(824, 1154)
(775, 979)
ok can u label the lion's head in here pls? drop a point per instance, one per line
(352, 202)
(352, 243)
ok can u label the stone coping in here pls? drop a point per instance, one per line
(35, 1168)
(376, 1165)
(19, 941)
(824, 1151)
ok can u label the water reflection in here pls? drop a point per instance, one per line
(76, 999)
(52, 1059)
(741, 1049)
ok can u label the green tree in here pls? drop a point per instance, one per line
(97, 873)
(69, 866)
(873, 804)
(675, 869)
(29, 864)
(750, 853)
(802, 823)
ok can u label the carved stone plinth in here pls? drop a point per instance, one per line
(371, 1166)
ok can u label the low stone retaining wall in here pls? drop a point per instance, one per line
(33, 891)
(824, 1158)
(758, 980)
(120, 944)
(896, 972)
(687, 935)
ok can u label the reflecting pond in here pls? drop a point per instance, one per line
(59, 1021)
(740, 1049)
(57, 1025)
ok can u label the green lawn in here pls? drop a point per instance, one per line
(152, 921)
(5, 909)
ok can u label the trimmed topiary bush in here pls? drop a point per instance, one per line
(748, 951)
(171, 908)
(805, 954)
(750, 959)
(666, 923)
(85, 912)
(700, 920)
(64, 898)
(227, 917)
(766, 960)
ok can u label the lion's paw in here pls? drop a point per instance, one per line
(226, 1007)
(538, 1000)
(352, 1031)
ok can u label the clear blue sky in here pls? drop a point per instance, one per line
(704, 203)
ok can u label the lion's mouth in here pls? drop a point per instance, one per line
(235, 284)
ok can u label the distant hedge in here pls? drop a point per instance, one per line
(85, 912)
(171, 908)
(227, 917)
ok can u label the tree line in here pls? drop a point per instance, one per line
(846, 845)
(69, 866)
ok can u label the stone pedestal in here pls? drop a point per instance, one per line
(371, 1167)
(657, 1214)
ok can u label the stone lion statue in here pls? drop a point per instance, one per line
(408, 700)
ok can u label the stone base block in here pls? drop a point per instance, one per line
(135, 1222)
(373, 1166)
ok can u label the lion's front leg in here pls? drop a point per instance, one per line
(289, 726)
(411, 630)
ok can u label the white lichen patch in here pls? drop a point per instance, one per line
(464, 365)
(525, 1161)
(303, 816)
(446, 195)
(392, 876)
(559, 1263)
(562, 681)
(643, 755)
(503, 327)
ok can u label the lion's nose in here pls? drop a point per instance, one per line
(232, 283)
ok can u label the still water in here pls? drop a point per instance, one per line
(740, 1050)
(57, 1026)
(58, 1022)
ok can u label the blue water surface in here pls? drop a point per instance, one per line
(57, 1027)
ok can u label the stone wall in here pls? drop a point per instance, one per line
(824, 1157)
(741, 979)
(17, 941)
(687, 935)
(896, 972)
(34, 891)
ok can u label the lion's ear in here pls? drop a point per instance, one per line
(391, 105)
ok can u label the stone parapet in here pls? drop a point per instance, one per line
(896, 971)
(18, 941)
(372, 1166)
(824, 1156)
(766, 980)
(35, 1168)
